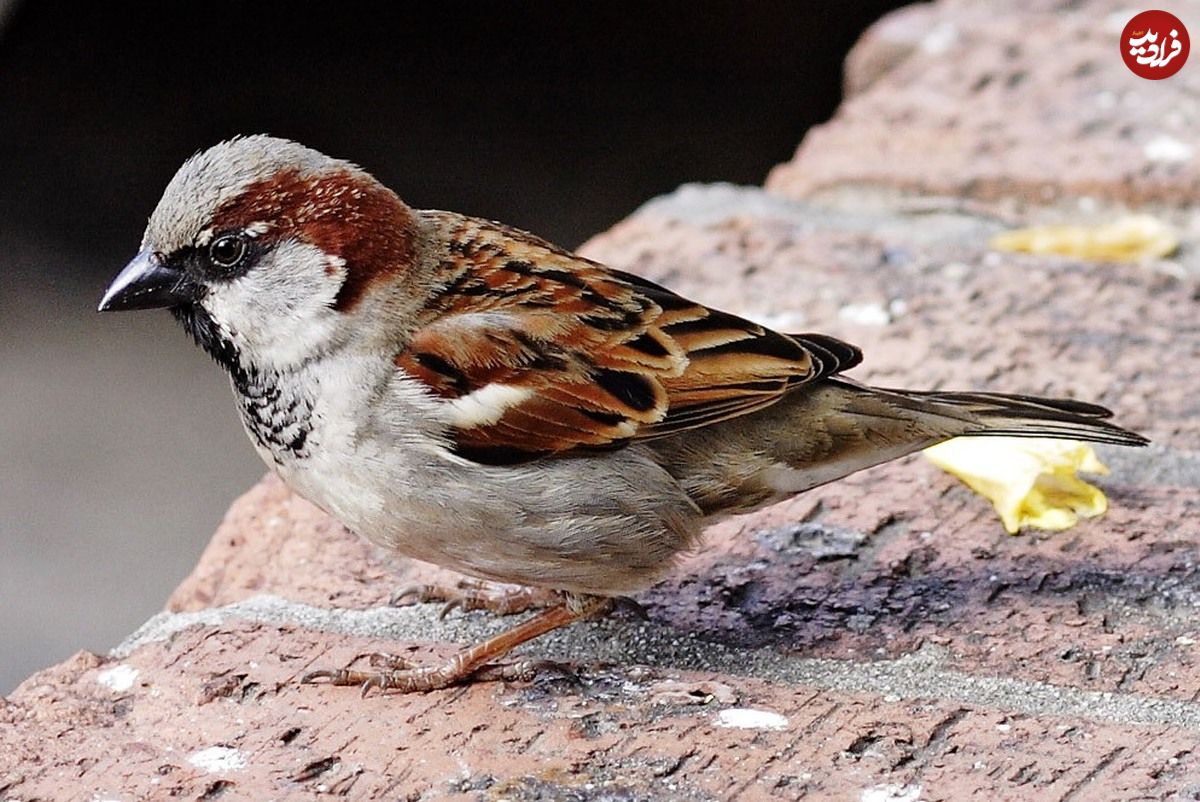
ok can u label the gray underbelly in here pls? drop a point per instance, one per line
(608, 524)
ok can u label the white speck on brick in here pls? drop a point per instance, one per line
(957, 271)
(891, 793)
(747, 718)
(216, 759)
(943, 36)
(865, 314)
(1184, 640)
(118, 678)
(1165, 148)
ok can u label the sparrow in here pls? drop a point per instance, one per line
(465, 393)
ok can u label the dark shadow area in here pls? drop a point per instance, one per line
(558, 119)
(821, 590)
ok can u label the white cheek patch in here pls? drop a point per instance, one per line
(486, 405)
(280, 312)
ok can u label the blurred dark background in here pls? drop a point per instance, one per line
(119, 448)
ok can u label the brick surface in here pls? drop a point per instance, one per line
(1030, 101)
(229, 721)
(882, 638)
(886, 44)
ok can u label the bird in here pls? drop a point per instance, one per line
(465, 393)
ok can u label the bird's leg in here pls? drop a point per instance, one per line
(475, 661)
(474, 594)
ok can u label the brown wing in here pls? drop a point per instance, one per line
(538, 351)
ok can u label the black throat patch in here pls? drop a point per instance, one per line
(275, 413)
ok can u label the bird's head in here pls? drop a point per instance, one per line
(265, 250)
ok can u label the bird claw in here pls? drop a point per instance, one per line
(412, 678)
(472, 663)
(374, 681)
(392, 662)
(472, 594)
(325, 676)
(420, 593)
(523, 671)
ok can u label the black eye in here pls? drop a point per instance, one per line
(228, 250)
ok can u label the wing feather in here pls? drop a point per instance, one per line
(539, 352)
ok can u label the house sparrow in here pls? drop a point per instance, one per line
(461, 392)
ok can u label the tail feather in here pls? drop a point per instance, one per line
(838, 427)
(1023, 416)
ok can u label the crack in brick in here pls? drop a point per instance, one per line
(215, 790)
(1171, 764)
(1027, 773)
(316, 768)
(1091, 776)
(942, 729)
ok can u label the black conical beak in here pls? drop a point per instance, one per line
(147, 283)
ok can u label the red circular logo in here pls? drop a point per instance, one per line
(1155, 45)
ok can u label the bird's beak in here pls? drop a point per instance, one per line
(147, 283)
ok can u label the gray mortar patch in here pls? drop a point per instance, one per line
(915, 676)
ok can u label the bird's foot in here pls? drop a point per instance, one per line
(474, 594)
(473, 663)
(403, 676)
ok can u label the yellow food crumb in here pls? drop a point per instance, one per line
(1127, 239)
(1030, 481)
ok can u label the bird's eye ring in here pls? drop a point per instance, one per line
(228, 250)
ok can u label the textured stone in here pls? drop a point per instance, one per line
(216, 711)
(240, 725)
(1032, 104)
(885, 45)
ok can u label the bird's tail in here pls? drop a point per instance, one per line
(839, 427)
(1018, 415)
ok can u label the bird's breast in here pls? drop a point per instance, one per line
(277, 415)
